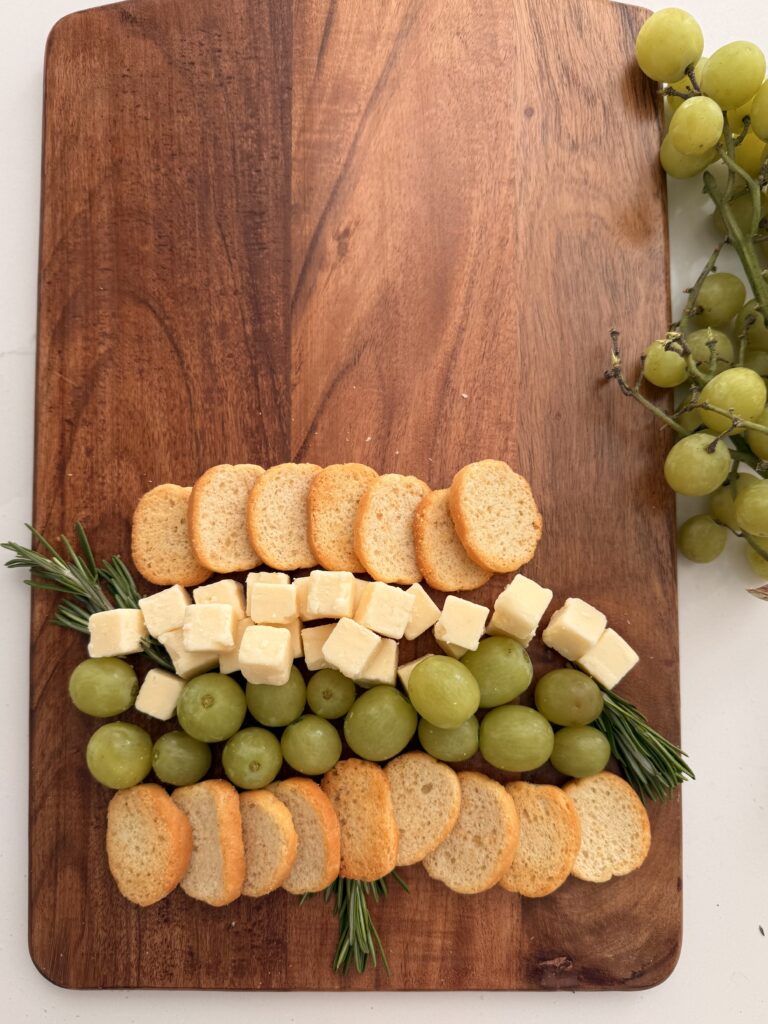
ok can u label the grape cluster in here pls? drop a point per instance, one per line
(716, 356)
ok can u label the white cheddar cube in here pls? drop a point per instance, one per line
(452, 650)
(312, 640)
(272, 604)
(425, 612)
(382, 668)
(164, 610)
(609, 660)
(330, 595)
(574, 628)
(187, 664)
(350, 647)
(385, 609)
(268, 577)
(222, 592)
(360, 588)
(229, 661)
(209, 627)
(294, 628)
(404, 670)
(518, 610)
(301, 586)
(159, 694)
(116, 632)
(461, 623)
(266, 655)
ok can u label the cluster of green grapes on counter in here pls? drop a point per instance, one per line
(301, 723)
(715, 358)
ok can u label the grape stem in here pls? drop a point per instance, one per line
(616, 373)
(691, 306)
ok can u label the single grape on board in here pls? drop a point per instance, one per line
(721, 296)
(667, 43)
(738, 390)
(699, 343)
(679, 165)
(757, 563)
(751, 510)
(664, 367)
(691, 468)
(757, 332)
(733, 74)
(701, 539)
(696, 126)
(721, 501)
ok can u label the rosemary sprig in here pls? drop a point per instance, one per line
(82, 581)
(651, 764)
(359, 941)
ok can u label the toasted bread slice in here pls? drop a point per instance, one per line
(426, 797)
(384, 528)
(160, 545)
(615, 830)
(217, 526)
(359, 793)
(270, 842)
(479, 850)
(334, 497)
(278, 516)
(550, 835)
(443, 562)
(217, 868)
(149, 843)
(317, 829)
(495, 515)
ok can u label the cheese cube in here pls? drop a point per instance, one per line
(385, 609)
(271, 604)
(350, 647)
(404, 671)
(382, 668)
(222, 592)
(116, 632)
(187, 664)
(609, 660)
(164, 610)
(294, 628)
(209, 627)
(425, 612)
(301, 586)
(229, 661)
(159, 694)
(360, 588)
(330, 595)
(461, 623)
(266, 655)
(574, 628)
(452, 650)
(268, 577)
(312, 640)
(518, 610)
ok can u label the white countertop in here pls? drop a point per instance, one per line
(721, 976)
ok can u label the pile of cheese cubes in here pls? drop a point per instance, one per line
(261, 629)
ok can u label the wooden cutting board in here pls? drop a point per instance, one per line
(396, 233)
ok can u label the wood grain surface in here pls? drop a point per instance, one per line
(395, 233)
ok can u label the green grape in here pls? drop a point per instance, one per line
(277, 705)
(679, 165)
(450, 744)
(443, 691)
(103, 687)
(757, 563)
(721, 501)
(757, 360)
(663, 367)
(741, 210)
(211, 707)
(759, 112)
(179, 759)
(380, 723)
(721, 296)
(684, 84)
(579, 751)
(330, 694)
(502, 669)
(667, 43)
(757, 332)
(750, 153)
(311, 746)
(252, 758)
(515, 738)
(759, 442)
(691, 469)
(701, 539)
(568, 697)
(690, 420)
(751, 509)
(696, 126)
(119, 755)
(698, 343)
(737, 115)
(733, 74)
(738, 389)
